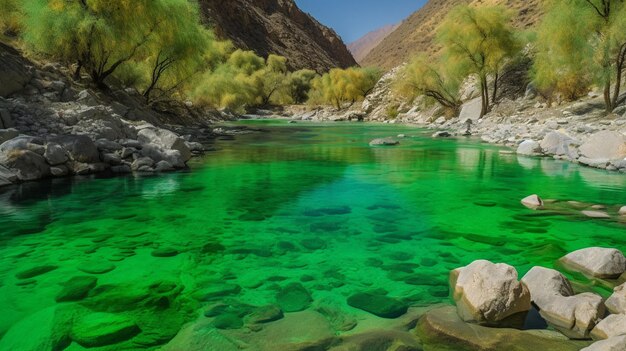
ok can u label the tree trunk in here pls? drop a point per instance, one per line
(484, 90)
(494, 97)
(607, 97)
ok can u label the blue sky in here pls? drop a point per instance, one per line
(354, 18)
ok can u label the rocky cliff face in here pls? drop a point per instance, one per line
(277, 27)
(417, 33)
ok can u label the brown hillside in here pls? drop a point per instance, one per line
(417, 33)
(277, 27)
(361, 47)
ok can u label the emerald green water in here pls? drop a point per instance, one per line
(311, 204)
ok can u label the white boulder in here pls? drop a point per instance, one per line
(616, 303)
(597, 262)
(613, 325)
(617, 343)
(529, 148)
(488, 293)
(605, 145)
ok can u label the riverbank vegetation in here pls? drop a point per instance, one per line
(133, 44)
(477, 44)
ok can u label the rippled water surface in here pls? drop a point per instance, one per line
(306, 204)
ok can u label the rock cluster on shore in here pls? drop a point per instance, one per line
(51, 126)
(488, 293)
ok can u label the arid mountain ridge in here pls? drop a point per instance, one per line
(416, 34)
(277, 27)
(363, 46)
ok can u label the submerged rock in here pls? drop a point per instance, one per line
(442, 329)
(380, 305)
(96, 267)
(35, 271)
(384, 142)
(47, 329)
(102, 329)
(293, 298)
(488, 293)
(266, 314)
(597, 262)
(596, 214)
(76, 288)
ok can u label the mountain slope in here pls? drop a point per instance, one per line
(277, 27)
(417, 33)
(361, 47)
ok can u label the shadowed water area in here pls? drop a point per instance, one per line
(297, 215)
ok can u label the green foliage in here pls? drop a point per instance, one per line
(297, 86)
(245, 79)
(479, 41)
(570, 58)
(436, 81)
(10, 16)
(340, 86)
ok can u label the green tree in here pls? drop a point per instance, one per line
(298, 85)
(97, 35)
(11, 17)
(421, 77)
(271, 78)
(572, 57)
(479, 41)
(340, 86)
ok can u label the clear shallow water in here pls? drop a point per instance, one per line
(306, 204)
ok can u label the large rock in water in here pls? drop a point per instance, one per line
(617, 343)
(488, 293)
(555, 143)
(441, 329)
(574, 316)
(544, 283)
(80, 147)
(605, 145)
(551, 292)
(597, 262)
(165, 139)
(616, 303)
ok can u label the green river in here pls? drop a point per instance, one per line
(309, 211)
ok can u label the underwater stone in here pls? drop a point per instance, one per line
(101, 329)
(35, 271)
(96, 267)
(217, 291)
(294, 298)
(266, 314)
(164, 252)
(313, 244)
(76, 288)
(379, 305)
(228, 321)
